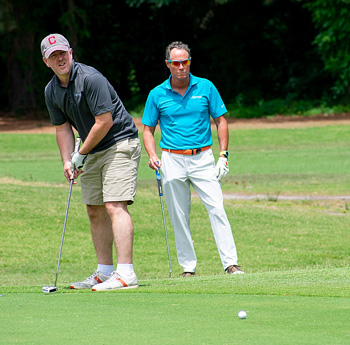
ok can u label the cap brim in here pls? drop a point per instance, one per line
(55, 48)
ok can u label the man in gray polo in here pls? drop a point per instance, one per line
(80, 97)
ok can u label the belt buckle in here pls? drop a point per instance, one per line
(191, 152)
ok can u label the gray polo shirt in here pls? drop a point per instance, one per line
(88, 94)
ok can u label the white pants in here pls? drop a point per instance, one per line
(179, 172)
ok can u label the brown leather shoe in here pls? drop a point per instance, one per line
(188, 274)
(234, 269)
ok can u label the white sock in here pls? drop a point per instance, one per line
(125, 269)
(105, 269)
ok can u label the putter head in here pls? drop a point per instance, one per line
(49, 289)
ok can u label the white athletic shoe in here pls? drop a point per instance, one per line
(116, 282)
(96, 278)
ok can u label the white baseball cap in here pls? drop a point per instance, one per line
(52, 43)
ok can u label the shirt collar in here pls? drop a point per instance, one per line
(74, 71)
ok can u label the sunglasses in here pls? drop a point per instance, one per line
(177, 63)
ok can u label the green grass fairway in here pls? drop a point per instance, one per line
(296, 253)
(179, 318)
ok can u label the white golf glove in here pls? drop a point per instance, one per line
(78, 160)
(221, 168)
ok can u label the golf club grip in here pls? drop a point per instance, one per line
(160, 189)
(76, 149)
(159, 181)
(77, 144)
(158, 174)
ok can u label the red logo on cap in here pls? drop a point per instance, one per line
(52, 40)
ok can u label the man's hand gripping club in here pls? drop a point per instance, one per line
(77, 162)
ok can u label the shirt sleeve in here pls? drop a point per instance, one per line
(151, 114)
(217, 107)
(98, 94)
(57, 116)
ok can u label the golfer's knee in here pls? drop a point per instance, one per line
(116, 207)
(216, 211)
(95, 212)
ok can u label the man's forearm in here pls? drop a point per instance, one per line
(223, 134)
(96, 134)
(150, 146)
(65, 141)
(98, 131)
(148, 141)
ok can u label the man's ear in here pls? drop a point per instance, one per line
(45, 62)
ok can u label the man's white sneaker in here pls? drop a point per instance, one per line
(116, 282)
(96, 278)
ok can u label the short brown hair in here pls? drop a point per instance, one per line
(177, 45)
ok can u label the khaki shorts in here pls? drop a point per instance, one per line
(111, 175)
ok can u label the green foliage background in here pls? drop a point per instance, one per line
(254, 51)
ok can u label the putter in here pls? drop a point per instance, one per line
(49, 289)
(160, 191)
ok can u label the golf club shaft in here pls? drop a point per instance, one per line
(76, 149)
(64, 227)
(160, 191)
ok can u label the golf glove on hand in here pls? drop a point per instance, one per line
(78, 160)
(221, 168)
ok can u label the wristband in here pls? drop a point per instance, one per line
(224, 153)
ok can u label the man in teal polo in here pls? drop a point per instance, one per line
(183, 105)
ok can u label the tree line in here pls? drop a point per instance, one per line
(252, 50)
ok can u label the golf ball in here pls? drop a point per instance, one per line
(242, 314)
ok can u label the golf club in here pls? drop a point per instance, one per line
(160, 191)
(49, 289)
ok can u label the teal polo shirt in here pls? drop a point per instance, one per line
(184, 120)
